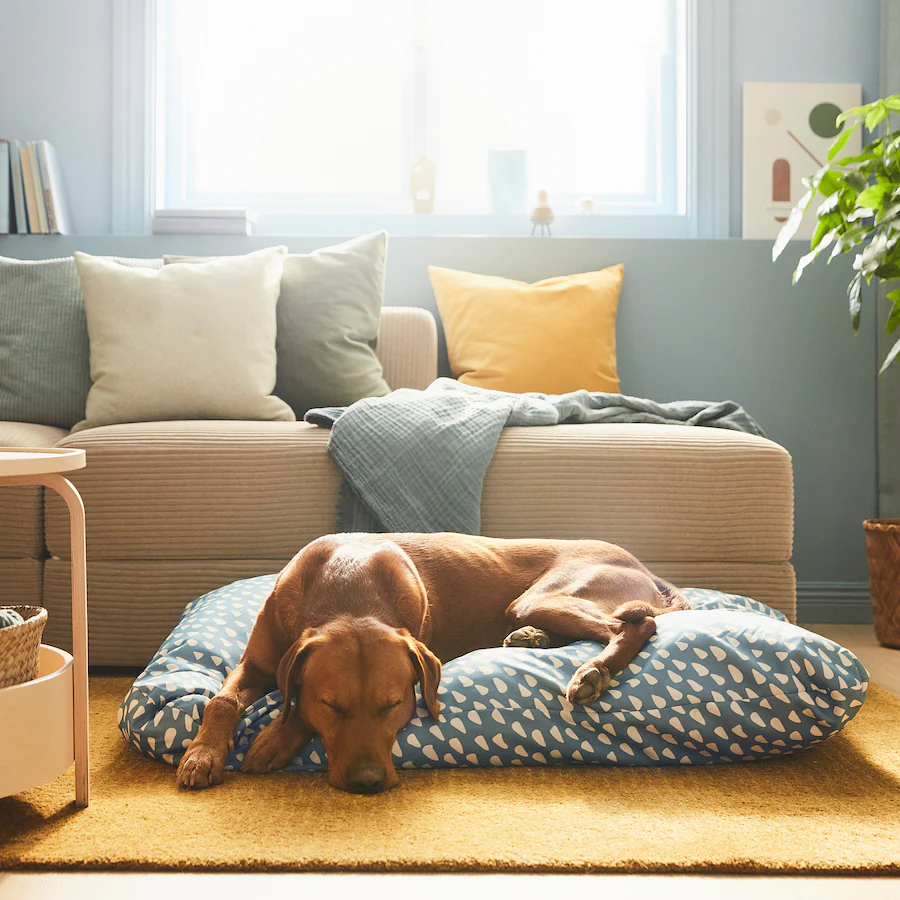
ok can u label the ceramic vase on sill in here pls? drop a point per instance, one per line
(508, 182)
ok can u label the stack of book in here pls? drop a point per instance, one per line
(203, 221)
(32, 199)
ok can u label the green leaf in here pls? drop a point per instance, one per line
(821, 243)
(888, 270)
(841, 141)
(893, 102)
(868, 154)
(854, 111)
(873, 255)
(895, 352)
(854, 292)
(857, 181)
(825, 224)
(874, 196)
(829, 204)
(789, 229)
(889, 213)
(827, 182)
(861, 212)
(850, 239)
(875, 115)
(894, 317)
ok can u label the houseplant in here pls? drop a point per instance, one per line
(860, 214)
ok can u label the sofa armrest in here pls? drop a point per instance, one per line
(407, 347)
(22, 511)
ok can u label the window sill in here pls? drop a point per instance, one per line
(437, 225)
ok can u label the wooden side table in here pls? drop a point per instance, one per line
(43, 467)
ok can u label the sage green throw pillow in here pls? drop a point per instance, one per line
(45, 371)
(182, 342)
(328, 315)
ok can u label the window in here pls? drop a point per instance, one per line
(298, 108)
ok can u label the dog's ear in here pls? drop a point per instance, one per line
(397, 575)
(428, 669)
(288, 673)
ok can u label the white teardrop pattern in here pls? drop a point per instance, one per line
(506, 707)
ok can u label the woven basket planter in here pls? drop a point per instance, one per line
(20, 646)
(883, 544)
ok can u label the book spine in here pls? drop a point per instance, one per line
(60, 206)
(43, 227)
(4, 187)
(48, 183)
(28, 184)
(51, 216)
(15, 171)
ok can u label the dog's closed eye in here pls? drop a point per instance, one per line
(337, 710)
(387, 707)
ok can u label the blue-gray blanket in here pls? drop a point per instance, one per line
(416, 460)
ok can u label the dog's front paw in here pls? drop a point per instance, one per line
(202, 766)
(588, 683)
(269, 752)
(527, 636)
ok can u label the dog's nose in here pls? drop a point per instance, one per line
(367, 778)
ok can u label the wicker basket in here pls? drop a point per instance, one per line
(20, 646)
(883, 544)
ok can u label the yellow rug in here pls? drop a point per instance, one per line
(835, 809)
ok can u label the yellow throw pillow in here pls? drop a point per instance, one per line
(554, 336)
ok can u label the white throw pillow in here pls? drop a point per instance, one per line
(182, 342)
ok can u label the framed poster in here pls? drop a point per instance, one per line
(788, 129)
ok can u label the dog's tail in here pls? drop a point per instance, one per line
(670, 600)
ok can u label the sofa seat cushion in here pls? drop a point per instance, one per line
(205, 490)
(730, 680)
(200, 490)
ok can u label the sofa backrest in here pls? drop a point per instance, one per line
(408, 346)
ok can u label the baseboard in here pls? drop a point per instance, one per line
(834, 602)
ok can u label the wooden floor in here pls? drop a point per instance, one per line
(127, 886)
(882, 662)
(884, 668)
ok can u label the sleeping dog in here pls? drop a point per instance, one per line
(356, 620)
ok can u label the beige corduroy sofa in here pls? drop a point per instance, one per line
(175, 509)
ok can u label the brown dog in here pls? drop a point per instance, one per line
(355, 620)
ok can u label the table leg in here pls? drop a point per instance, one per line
(67, 491)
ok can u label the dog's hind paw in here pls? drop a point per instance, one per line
(588, 683)
(527, 636)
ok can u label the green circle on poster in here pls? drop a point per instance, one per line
(821, 120)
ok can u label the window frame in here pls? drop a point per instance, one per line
(705, 189)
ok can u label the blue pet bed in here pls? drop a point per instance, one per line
(730, 680)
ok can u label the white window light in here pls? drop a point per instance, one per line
(316, 111)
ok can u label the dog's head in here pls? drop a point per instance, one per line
(353, 679)
(353, 682)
